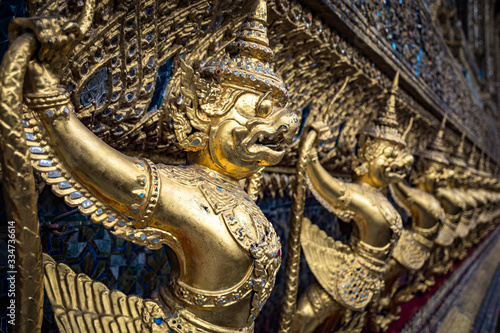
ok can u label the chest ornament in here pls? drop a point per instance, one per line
(224, 196)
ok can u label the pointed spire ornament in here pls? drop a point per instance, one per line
(481, 167)
(437, 150)
(472, 159)
(460, 150)
(385, 126)
(487, 166)
(246, 61)
(458, 158)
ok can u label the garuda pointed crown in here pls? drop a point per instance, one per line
(437, 150)
(246, 62)
(482, 166)
(471, 163)
(385, 126)
(243, 66)
(458, 158)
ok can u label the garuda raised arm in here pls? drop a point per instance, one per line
(435, 179)
(224, 252)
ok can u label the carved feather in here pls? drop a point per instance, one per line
(322, 252)
(83, 305)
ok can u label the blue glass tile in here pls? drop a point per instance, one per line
(54, 174)
(419, 58)
(64, 185)
(45, 163)
(87, 204)
(163, 76)
(36, 150)
(75, 195)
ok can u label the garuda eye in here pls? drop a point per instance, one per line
(264, 105)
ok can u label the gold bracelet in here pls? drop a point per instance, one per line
(427, 232)
(46, 100)
(154, 192)
(54, 112)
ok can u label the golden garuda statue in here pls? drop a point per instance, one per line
(349, 275)
(475, 191)
(460, 180)
(439, 173)
(417, 241)
(232, 121)
(484, 188)
(459, 183)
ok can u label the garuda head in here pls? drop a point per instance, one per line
(236, 121)
(432, 169)
(381, 156)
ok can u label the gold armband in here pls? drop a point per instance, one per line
(49, 105)
(152, 196)
(50, 99)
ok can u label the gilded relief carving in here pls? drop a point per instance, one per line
(172, 123)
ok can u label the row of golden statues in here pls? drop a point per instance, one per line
(233, 122)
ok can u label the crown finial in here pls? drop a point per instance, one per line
(460, 150)
(246, 61)
(481, 162)
(436, 150)
(440, 134)
(391, 102)
(385, 126)
(471, 162)
(458, 158)
(487, 166)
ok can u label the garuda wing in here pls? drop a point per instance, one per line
(338, 270)
(83, 305)
(322, 253)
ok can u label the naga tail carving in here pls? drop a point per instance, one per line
(293, 258)
(17, 177)
(19, 187)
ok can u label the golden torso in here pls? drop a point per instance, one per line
(223, 230)
(371, 209)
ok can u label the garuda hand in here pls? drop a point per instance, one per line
(56, 38)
